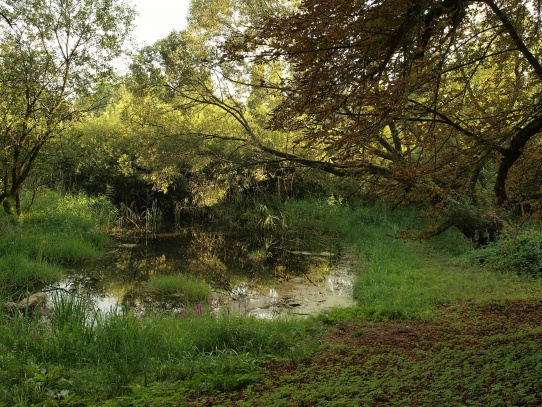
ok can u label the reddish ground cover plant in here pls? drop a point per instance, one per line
(472, 354)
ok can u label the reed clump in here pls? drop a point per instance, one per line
(190, 289)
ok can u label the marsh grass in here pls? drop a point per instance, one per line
(16, 269)
(153, 218)
(189, 288)
(63, 249)
(397, 278)
(65, 359)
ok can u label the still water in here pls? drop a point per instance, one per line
(264, 275)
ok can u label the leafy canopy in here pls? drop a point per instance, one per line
(428, 100)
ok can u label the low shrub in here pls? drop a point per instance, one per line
(520, 254)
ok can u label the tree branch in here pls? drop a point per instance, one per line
(515, 37)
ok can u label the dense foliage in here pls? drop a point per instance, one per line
(433, 101)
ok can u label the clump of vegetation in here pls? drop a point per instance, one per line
(74, 354)
(17, 269)
(189, 288)
(521, 254)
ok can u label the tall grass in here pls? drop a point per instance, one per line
(190, 289)
(77, 356)
(98, 356)
(58, 229)
(16, 269)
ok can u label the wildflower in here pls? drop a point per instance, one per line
(68, 318)
(198, 310)
(42, 311)
(32, 335)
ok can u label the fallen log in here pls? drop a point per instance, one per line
(29, 303)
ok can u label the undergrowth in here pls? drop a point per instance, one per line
(521, 254)
(73, 355)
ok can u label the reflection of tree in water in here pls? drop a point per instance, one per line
(224, 260)
(222, 257)
(132, 266)
(127, 274)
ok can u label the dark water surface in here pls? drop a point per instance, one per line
(258, 273)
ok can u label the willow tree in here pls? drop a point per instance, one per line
(433, 100)
(53, 56)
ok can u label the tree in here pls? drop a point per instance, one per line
(53, 56)
(429, 100)
(225, 105)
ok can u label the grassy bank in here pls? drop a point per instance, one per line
(402, 279)
(75, 355)
(58, 229)
(72, 355)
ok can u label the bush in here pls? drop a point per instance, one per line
(521, 254)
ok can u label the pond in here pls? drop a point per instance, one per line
(254, 273)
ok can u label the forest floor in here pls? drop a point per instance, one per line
(485, 354)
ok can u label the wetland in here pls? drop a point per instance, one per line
(257, 273)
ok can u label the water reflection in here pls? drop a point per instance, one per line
(258, 274)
